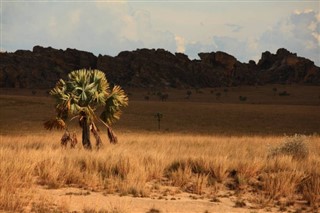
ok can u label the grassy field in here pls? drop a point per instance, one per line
(208, 149)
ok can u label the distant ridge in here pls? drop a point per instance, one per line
(155, 68)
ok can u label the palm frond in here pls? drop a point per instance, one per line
(74, 109)
(101, 81)
(89, 86)
(119, 96)
(59, 91)
(112, 136)
(110, 133)
(95, 132)
(99, 98)
(55, 123)
(114, 102)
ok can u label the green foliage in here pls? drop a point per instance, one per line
(294, 146)
(116, 99)
(82, 94)
(85, 91)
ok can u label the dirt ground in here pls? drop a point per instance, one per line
(82, 200)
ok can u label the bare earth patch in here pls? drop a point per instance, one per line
(80, 200)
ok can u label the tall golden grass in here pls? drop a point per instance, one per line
(205, 146)
(196, 164)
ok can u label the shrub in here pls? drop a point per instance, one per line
(242, 98)
(163, 96)
(294, 146)
(218, 95)
(284, 93)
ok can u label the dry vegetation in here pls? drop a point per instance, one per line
(205, 150)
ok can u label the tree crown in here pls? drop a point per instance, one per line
(83, 92)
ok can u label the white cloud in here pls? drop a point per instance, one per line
(312, 26)
(234, 27)
(75, 16)
(180, 41)
(99, 27)
(298, 33)
(111, 27)
(129, 30)
(193, 48)
(317, 37)
(318, 16)
(299, 12)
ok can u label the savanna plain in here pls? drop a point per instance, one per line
(236, 149)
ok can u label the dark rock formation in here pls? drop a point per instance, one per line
(287, 67)
(42, 67)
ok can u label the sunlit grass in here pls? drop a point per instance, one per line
(202, 148)
(194, 163)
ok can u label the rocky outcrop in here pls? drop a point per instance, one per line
(42, 67)
(287, 67)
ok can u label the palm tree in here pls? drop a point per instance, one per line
(80, 96)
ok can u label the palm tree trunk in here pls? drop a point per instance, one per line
(85, 131)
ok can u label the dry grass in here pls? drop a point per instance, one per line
(135, 165)
(206, 148)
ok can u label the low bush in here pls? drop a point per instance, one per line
(294, 146)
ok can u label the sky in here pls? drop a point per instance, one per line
(243, 28)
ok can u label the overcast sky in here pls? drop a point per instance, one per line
(244, 29)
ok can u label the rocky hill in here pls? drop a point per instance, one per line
(145, 68)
